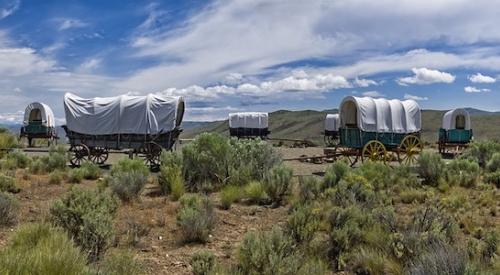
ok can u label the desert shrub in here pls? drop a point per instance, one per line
(490, 248)
(431, 167)
(493, 178)
(37, 166)
(463, 172)
(438, 259)
(254, 191)
(271, 252)
(230, 194)
(127, 185)
(404, 176)
(7, 141)
(135, 231)
(277, 182)
(56, 177)
(353, 189)
(411, 195)
(334, 173)
(15, 159)
(481, 152)
(195, 217)
(41, 249)
(76, 175)
(250, 160)
(309, 189)
(91, 171)
(130, 165)
(202, 262)
(493, 164)
(205, 160)
(8, 184)
(170, 178)
(374, 261)
(376, 173)
(302, 223)
(87, 216)
(56, 159)
(8, 209)
(313, 266)
(120, 262)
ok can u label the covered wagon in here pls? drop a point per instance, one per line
(331, 134)
(38, 123)
(455, 132)
(145, 125)
(249, 125)
(379, 129)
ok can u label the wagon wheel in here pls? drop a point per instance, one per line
(152, 153)
(99, 155)
(78, 154)
(375, 151)
(346, 154)
(410, 148)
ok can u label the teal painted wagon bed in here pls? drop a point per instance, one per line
(455, 133)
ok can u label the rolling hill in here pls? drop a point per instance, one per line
(308, 124)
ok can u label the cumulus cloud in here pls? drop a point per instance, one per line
(472, 89)
(415, 97)
(480, 78)
(424, 76)
(373, 94)
(360, 82)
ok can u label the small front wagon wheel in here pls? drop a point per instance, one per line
(374, 150)
(78, 154)
(152, 154)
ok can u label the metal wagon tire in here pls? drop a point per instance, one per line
(410, 148)
(374, 150)
(99, 155)
(78, 154)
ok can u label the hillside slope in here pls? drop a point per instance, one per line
(308, 125)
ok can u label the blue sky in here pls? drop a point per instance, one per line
(226, 56)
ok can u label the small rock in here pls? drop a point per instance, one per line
(160, 238)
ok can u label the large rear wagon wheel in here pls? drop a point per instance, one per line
(78, 154)
(410, 148)
(374, 150)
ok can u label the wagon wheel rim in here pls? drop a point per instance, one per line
(411, 147)
(99, 155)
(78, 154)
(152, 153)
(348, 154)
(374, 151)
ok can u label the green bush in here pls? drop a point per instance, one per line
(119, 263)
(55, 160)
(171, 181)
(56, 177)
(127, 185)
(37, 166)
(309, 189)
(91, 171)
(41, 249)
(271, 252)
(203, 262)
(230, 194)
(196, 218)
(205, 161)
(411, 195)
(493, 164)
(76, 175)
(481, 152)
(87, 216)
(7, 141)
(302, 223)
(463, 172)
(255, 192)
(377, 174)
(493, 178)
(431, 168)
(8, 209)
(439, 259)
(8, 184)
(277, 183)
(374, 261)
(334, 173)
(15, 159)
(126, 165)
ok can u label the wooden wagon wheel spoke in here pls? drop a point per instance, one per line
(99, 155)
(78, 154)
(346, 154)
(410, 148)
(152, 154)
(375, 151)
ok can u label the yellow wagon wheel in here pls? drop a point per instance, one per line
(410, 148)
(375, 151)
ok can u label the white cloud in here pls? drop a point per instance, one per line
(472, 89)
(360, 82)
(424, 76)
(415, 97)
(373, 94)
(9, 8)
(480, 78)
(89, 65)
(71, 23)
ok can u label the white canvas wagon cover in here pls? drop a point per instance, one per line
(150, 114)
(380, 115)
(254, 120)
(452, 118)
(39, 111)
(332, 122)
